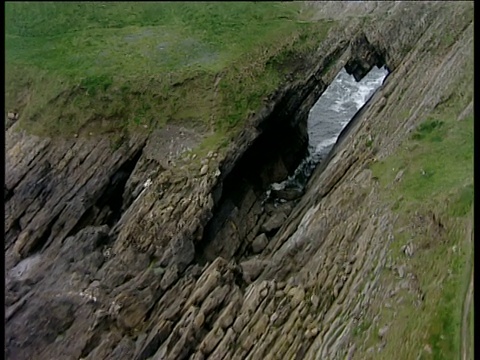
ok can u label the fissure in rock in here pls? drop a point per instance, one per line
(113, 196)
(333, 111)
(273, 156)
(109, 206)
(254, 203)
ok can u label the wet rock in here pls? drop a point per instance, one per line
(288, 194)
(286, 208)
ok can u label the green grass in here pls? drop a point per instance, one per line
(437, 183)
(426, 128)
(362, 327)
(117, 66)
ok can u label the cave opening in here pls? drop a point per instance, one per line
(263, 187)
(335, 108)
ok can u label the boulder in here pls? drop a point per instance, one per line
(274, 222)
(260, 243)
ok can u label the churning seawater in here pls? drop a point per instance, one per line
(330, 114)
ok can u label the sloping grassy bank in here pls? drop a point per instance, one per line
(106, 67)
(433, 200)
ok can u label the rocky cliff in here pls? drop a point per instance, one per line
(143, 252)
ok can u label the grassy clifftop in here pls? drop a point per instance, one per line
(115, 67)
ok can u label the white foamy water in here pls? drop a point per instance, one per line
(330, 114)
(324, 144)
(338, 104)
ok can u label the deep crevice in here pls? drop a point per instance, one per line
(110, 206)
(272, 157)
(113, 196)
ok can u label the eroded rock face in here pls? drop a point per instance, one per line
(364, 57)
(136, 253)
